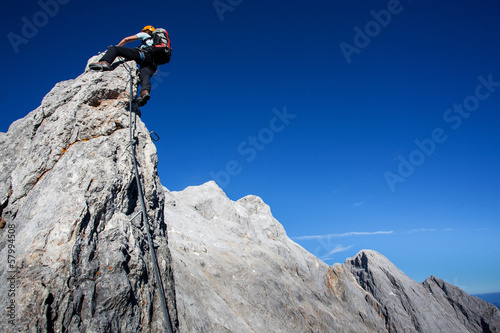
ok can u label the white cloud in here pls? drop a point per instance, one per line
(339, 248)
(360, 203)
(426, 230)
(420, 230)
(366, 233)
(346, 234)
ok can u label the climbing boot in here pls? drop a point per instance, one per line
(100, 66)
(144, 98)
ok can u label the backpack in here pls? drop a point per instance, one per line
(161, 50)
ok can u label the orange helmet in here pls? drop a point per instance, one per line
(148, 27)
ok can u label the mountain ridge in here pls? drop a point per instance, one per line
(367, 293)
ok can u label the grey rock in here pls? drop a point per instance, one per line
(408, 306)
(237, 271)
(474, 313)
(67, 193)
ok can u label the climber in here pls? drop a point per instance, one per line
(141, 55)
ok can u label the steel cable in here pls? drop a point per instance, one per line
(133, 142)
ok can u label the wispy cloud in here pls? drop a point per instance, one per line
(360, 203)
(336, 249)
(339, 248)
(419, 230)
(367, 233)
(426, 230)
(346, 234)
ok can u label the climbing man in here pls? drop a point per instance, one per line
(154, 51)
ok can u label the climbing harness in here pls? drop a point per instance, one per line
(143, 57)
(145, 216)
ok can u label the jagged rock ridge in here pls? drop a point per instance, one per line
(67, 185)
(237, 271)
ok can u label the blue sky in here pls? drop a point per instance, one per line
(363, 124)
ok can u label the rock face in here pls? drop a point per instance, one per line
(76, 257)
(408, 306)
(67, 194)
(237, 271)
(483, 318)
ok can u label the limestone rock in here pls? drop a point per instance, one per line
(67, 194)
(237, 271)
(408, 306)
(474, 313)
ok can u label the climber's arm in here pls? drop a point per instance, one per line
(128, 39)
